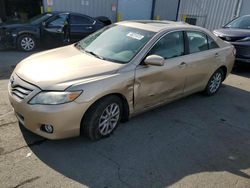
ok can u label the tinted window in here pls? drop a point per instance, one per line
(80, 20)
(169, 46)
(197, 42)
(211, 43)
(58, 20)
(241, 23)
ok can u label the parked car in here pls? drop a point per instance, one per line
(237, 32)
(115, 73)
(50, 29)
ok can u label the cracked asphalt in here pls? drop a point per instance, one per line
(194, 142)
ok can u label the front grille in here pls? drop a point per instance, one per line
(20, 92)
(242, 51)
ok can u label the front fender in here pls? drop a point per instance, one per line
(31, 31)
(120, 83)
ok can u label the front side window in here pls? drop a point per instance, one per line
(58, 20)
(169, 46)
(116, 43)
(197, 42)
(239, 23)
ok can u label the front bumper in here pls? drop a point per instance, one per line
(7, 41)
(65, 118)
(242, 51)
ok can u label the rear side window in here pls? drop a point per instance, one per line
(169, 46)
(75, 19)
(211, 43)
(197, 41)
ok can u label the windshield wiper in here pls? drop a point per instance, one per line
(77, 45)
(94, 54)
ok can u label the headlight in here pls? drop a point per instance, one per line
(55, 97)
(216, 33)
(244, 39)
(11, 32)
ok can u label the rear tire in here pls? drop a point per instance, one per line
(26, 43)
(214, 83)
(102, 118)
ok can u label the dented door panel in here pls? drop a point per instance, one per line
(200, 67)
(156, 84)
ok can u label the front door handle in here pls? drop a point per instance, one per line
(216, 55)
(90, 27)
(182, 65)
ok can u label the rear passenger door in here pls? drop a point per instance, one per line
(203, 54)
(80, 26)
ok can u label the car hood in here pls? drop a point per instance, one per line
(13, 25)
(60, 68)
(231, 32)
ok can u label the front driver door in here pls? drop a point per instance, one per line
(158, 84)
(53, 31)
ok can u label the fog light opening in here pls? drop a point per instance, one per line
(47, 128)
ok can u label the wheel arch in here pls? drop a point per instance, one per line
(224, 69)
(27, 33)
(125, 106)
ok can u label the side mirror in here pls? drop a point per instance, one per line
(154, 60)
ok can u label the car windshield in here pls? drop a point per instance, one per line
(116, 43)
(39, 18)
(239, 23)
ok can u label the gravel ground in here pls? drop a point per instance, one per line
(194, 142)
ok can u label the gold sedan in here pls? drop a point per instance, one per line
(117, 72)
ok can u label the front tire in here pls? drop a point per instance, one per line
(214, 83)
(102, 118)
(26, 43)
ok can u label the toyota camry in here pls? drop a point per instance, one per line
(121, 70)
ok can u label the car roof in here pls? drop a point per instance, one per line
(64, 12)
(155, 25)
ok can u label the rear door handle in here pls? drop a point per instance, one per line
(90, 27)
(182, 65)
(216, 55)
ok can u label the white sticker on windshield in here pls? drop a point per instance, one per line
(135, 36)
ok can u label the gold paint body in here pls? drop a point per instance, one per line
(143, 87)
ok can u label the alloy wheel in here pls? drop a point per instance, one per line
(109, 119)
(215, 82)
(27, 43)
